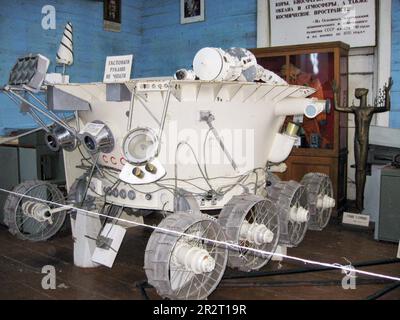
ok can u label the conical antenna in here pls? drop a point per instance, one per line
(65, 53)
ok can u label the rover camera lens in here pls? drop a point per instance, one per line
(140, 146)
(89, 142)
(52, 142)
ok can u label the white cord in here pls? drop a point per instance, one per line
(226, 244)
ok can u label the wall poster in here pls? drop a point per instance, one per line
(296, 22)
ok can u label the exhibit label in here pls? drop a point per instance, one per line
(118, 69)
(311, 21)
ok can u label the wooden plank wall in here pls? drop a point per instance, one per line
(167, 45)
(21, 32)
(395, 113)
(152, 31)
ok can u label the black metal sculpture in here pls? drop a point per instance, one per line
(362, 117)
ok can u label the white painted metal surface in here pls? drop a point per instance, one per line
(85, 229)
(106, 256)
(247, 114)
(65, 53)
(255, 233)
(193, 258)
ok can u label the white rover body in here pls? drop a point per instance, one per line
(177, 147)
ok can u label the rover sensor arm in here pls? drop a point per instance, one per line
(33, 110)
(26, 108)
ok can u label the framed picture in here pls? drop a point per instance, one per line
(112, 15)
(192, 11)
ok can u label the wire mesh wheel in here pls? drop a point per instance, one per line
(270, 180)
(291, 200)
(30, 219)
(319, 188)
(184, 201)
(171, 260)
(250, 221)
(76, 196)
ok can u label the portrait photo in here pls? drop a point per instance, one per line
(192, 11)
(112, 15)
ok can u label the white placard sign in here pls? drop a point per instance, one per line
(118, 69)
(311, 21)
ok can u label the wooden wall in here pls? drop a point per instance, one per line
(395, 114)
(21, 32)
(167, 45)
(151, 30)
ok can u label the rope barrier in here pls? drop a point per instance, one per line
(347, 269)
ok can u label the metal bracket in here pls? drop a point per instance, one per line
(208, 117)
(104, 242)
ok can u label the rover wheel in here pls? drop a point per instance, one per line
(320, 199)
(30, 219)
(181, 267)
(250, 221)
(184, 201)
(270, 180)
(290, 198)
(76, 194)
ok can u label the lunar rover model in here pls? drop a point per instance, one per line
(200, 149)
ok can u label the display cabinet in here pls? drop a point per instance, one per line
(322, 145)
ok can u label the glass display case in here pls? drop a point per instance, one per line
(323, 140)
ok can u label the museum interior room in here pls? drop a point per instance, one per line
(280, 182)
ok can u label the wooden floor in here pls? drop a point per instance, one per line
(21, 263)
